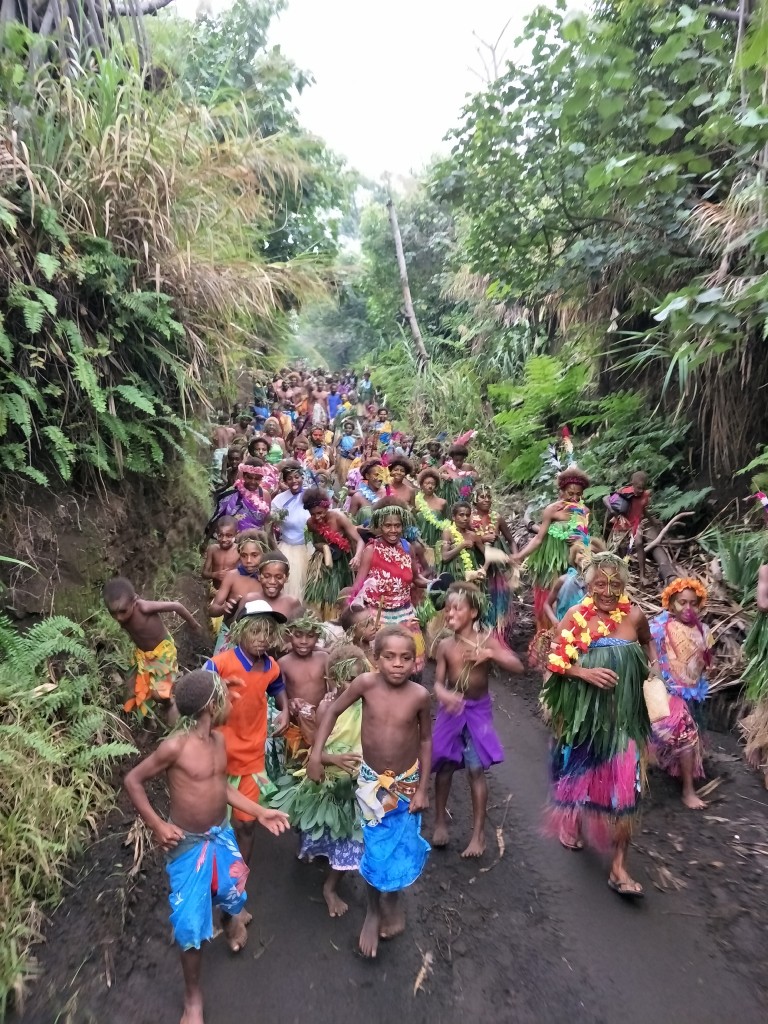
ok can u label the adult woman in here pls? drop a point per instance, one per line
(320, 456)
(277, 450)
(683, 644)
(336, 542)
(458, 477)
(371, 488)
(598, 664)
(399, 468)
(388, 572)
(564, 521)
(289, 519)
(492, 530)
(250, 502)
(460, 549)
(259, 448)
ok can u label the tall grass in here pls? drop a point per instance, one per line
(58, 740)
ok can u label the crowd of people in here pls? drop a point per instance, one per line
(341, 557)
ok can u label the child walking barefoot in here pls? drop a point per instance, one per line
(464, 736)
(303, 668)
(223, 555)
(204, 866)
(155, 660)
(393, 784)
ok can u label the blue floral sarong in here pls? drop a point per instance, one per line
(205, 870)
(394, 850)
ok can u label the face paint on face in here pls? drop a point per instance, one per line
(225, 536)
(606, 591)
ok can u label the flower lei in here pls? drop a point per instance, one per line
(252, 498)
(565, 650)
(370, 495)
(680, 584)
(427, 514)
(576, 527)
(464, 556)
(338, 540)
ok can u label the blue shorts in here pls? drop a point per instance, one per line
(205, 870)
(472, 760)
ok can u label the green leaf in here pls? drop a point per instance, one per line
(131, 394)
(670, 122)
(48, 265)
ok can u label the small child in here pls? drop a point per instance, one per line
(571, 588)
(155, 660)
(333, 631)
(329, 810)
(223, 555)
(464, 736)
(204, 865)
(461, 546)
(393, 784)
(273, 570)
(304, 669)
(360, 624)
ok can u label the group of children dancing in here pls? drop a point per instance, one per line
(310, 713)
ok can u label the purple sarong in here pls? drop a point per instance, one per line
(450, 734)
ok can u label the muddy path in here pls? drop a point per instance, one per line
(532, 936)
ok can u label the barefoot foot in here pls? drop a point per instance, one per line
(193, 1011)
(476, 847)
(693, 802)
(392, 916)
(336, 905)
(369, 936)
(236, 932)
(440, 836)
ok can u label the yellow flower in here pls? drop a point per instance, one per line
(568, 635)
(572, 651)
(579, 619)
(617, 616)
(603, 629)
(586, 637)
(555, 659)
(587, 602)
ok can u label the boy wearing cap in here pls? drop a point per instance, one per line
(257, 632)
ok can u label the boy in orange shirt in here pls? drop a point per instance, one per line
(257, 632)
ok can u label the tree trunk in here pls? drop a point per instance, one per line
(418, 342)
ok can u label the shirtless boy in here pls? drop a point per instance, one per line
(464, 736)
(272, 570)
(393, 784)
(238, 582)
(222, 556)
(304, 670)
(204, 865)
(223, 433)
(155, 660)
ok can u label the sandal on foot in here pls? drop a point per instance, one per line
(576, 845)
(626, 889)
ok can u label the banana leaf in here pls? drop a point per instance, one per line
(315, 808)
(582, 713)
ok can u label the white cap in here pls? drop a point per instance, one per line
(261, 608)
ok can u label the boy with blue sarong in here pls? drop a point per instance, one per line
(393, 784)
(204, 865)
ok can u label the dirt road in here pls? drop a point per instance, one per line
(535, 936)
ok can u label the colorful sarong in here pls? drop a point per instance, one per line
(674, 736)
(341, 854)
(467, 739)
(156, 673)
(222, 637)
(395, 851)
(205, 870)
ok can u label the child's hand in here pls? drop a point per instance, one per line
(167, 835)
(273, 821)
(281, 722)
(348, 762)
(419, 802)
(234, 685)
(452, 701)
(315, 770)
(231, 604)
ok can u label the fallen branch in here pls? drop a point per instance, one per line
(657, 540)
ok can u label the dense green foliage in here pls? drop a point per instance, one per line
(593, 252)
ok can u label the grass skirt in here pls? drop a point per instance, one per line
(499, 616)
(596, 770)
(323, 583)
(545, 565)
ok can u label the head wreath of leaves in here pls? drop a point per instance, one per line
(380, 514)
(264, 627)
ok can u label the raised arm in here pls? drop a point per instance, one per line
(350, 532)
(158, 607)
(504, 657)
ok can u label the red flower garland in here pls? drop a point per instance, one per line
(565, 650)
(333, 537)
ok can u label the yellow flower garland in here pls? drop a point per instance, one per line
(464, 556)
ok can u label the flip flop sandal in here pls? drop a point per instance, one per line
(625, 890)
(575, 846)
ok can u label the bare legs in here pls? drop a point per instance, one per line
(334, 902)
(620, 880)
(478, 788)
(191, 965)
(687, 765)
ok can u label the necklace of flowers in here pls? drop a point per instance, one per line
(427, 514)
(465, 558)
(370, 495)
(338, 540)
(577, 525)
(253, 498)
(566, 648)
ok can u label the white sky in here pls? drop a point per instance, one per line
(391, 76)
